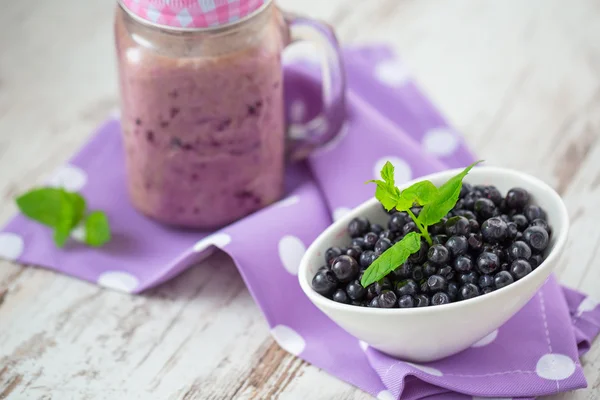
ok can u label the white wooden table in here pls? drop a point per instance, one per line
(520, 78)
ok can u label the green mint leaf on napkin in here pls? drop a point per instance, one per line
(97, 229)
(386, 192)
(391, 259)
(445, 200)
(61, 210)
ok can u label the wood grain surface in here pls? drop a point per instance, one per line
(521, 79)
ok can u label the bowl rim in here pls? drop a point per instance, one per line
(529, 180)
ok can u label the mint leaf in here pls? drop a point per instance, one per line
(387, 193)
(43, 205)
(445, 199)
(97, 229)
(419, 193)
(391, 258)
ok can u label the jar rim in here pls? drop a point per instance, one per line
(176, 29)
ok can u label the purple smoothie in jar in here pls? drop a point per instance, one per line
(202, 118)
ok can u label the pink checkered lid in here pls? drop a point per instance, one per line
(192, 14)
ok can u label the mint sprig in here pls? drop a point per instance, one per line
(62, 211)
(436, 203)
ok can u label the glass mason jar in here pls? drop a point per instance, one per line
(203, 117)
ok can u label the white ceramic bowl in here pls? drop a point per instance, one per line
(431, 333)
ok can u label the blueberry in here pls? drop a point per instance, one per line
(341, 297)
(518, 249)
(475, 242)
(457, 245)
(504, 266)
(382, 284)
(474, 225)
(358, 227)
(359, 303)
(471, 277)
(387, 234)
(409, 227)
(374, 303)
(439, 239)
(487, 290)
(331, 254)
(468, 291)
(437, 283)
(397, 221)
(354, 252)
(429, 268)
(452, 291)
(366, 258)
(517, 198)
(345, 268)
(468, 215)
(438, 254)
(324, 268)
(457, 226)
(492, 193)
(519, 236)
(535, 260)
(382, 245)
(459, 205)
(358, 242)
(469, 201)
(416, 210)
(534, 212)
(463, 264)
(521, 221)
(324, 283)
(424, 287)
(372, 291)
(355, 290)
(487, 262)
(494, 230)
(387, 299)
(484, 208)
(439, 227)
(512, 230)
(418, 273)
(419, 256)
(370, 240)
(406, 301)
(465, 189)
(542, 224)
(406, 287)
(504, 218)
(486, 281)
(439, 299)
(536, 237)
(503, 278)
(520, 268)
(421, 300)
(405, 270)
(447, 272)
(376, 228)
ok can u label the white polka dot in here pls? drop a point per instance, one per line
(555, 367)
(402, 171)
(428, 370)
(297, 111)
(392, 73)
(288, 201)
(78, 233)
(385, 395)
(11, 245)
(291, 250)
(340, 213)
(487, 340)
(70, 177)
(333, 143)
(288, 339)
(219, 240)
(440, 141)
(118, 280)
(363, 345)
(588, 304)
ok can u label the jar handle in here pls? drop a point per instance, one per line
(305, 137)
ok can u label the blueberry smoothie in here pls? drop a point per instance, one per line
(202, 119)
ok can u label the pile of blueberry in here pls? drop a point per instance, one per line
(486, 242)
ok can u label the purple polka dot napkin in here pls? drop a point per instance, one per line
(535, 353)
